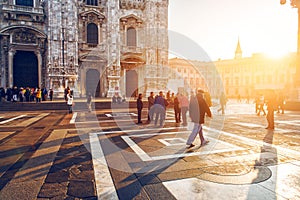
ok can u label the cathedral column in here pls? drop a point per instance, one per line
(11, 54)
(39, 59)
(123, 81)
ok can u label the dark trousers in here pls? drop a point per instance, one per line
(70, 108)
(177, 114)
(139, 115)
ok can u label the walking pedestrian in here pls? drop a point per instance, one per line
(198, 108)
(70, 101)
(2, 94)
(89, 102)
(177, 109)
(256, 101)
(21, 94)
(67, 90)
(139, 105)
(160, 104)
(27, 94)
(51, 94)
(38, 95)
(150, 104)
(223, 101)
(281, 102)
(184, 102)
(44, 94)
(271, 103)
(261, 105)
(15, 93)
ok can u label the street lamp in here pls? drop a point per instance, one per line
(296, 4)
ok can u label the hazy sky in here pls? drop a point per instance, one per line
(263, 26)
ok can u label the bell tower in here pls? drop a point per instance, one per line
(238, 51)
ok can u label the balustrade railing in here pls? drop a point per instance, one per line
(37, 10)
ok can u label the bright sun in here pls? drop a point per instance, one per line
(276, 52)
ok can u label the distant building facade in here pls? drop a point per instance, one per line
(247, 76)
(238, 77)
(195, 75)
(98, 46)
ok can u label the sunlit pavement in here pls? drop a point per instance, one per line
(103, 154)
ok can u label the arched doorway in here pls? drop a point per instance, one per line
(25, 69)
(131, 83)
(93, 82)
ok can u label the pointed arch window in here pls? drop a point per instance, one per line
(92, 33)
(131, 37)
(24, 3)
(91, 2)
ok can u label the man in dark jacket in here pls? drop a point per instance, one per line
(160, 104)
(150, 104)
(139, 105)
(271, 104)
(198, 108)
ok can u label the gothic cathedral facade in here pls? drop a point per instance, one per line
(103, 47)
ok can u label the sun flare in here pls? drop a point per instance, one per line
(276, 53)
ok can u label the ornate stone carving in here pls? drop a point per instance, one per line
(132, 4)
(24, 37)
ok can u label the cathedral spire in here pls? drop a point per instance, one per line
(238, 50)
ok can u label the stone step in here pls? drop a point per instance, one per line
(61, 105)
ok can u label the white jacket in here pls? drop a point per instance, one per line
(70, 99)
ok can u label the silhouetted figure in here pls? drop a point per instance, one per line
(15, 93)
(223, 101)
(89, 101)
(38, 95)
(150, 104)
(271, 103)
(70, 102)
(67, 90)
(281, 102)
(139, 106)
(177, 108)
(261, 105)
(184, 103)
(198, 108)
(51, 94)
(160, 104)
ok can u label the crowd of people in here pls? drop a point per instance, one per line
(180, 102)
(27, 94)
(157, 105)
(273, 102)
(277, 101)
(197, 105)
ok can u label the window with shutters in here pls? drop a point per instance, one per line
(92, 33)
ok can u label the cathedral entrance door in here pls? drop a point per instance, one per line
(131, 83)
(25, 69)
(93, 82)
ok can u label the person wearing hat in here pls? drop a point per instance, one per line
(198, 108)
